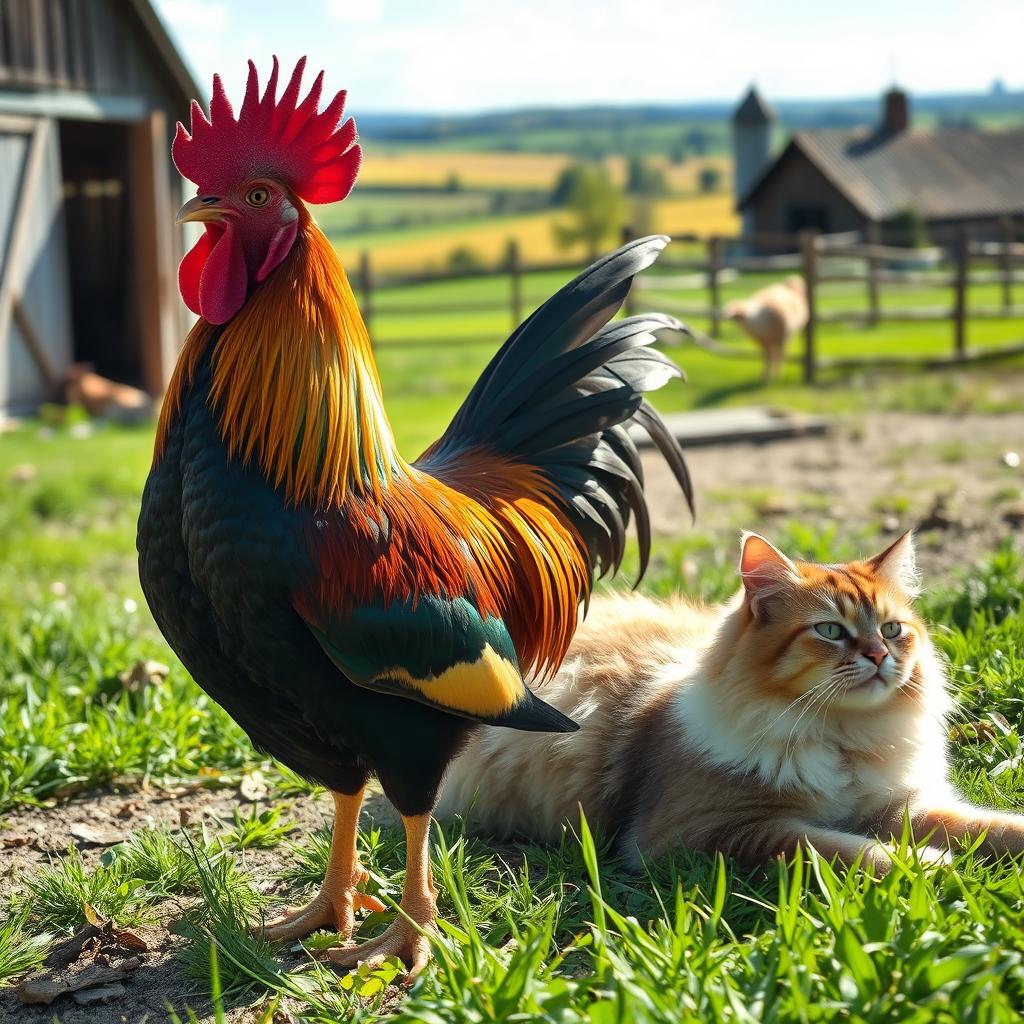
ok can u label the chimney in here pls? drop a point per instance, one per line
(895, 111)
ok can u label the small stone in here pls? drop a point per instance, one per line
(103, 994)
(59, 588)
(1012, 460)
(890, 524)
(23, 474)
(93, 835)
(253, 787)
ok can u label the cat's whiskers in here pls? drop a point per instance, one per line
(834, 687)
(761, 737)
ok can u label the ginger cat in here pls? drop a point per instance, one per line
(809, 709)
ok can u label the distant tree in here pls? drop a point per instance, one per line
(453, 183)
(709, 179)
(641, 218)
(463, 258)
(697, 141)
(678, 153)
(596, 209)
(644, 180)
(568, 180)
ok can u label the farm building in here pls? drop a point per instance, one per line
(880, 178)
(89, 93)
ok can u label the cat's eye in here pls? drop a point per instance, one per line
(830, 630)
(258, 196)
(891, 630)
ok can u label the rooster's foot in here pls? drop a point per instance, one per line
(333, 910)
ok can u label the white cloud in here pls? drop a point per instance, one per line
(471, 55)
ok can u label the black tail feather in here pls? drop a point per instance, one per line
(561, 393)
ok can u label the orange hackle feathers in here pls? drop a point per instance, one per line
(294, 382)
(295, 390)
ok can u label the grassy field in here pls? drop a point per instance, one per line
(429, 245)
(548, 934)
(560, 934)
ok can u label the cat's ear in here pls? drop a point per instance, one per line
(897, 564)
(765, 571)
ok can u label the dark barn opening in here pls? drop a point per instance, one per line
(97, 208)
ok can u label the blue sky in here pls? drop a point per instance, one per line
(470, 55)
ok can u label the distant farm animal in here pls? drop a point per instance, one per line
(771, 317)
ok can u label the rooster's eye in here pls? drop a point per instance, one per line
(258, 196)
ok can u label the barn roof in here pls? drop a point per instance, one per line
(166, 48)
(947, 174)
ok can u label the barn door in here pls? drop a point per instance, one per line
(34, 327)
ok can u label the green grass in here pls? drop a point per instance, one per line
(425, 380)
(549, 934)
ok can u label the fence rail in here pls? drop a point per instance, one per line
(820, 259)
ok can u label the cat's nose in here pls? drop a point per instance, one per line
(876, 652)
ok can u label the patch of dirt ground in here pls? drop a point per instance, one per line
(33, 837)
(957, 480)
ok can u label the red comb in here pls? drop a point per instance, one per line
(312, 152)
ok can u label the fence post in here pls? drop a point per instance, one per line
(629, 306)
(714, 265)
(809, 254)
(515, 279)
(366, 287)
(874, 238)
(960, 295)
(1006, 236)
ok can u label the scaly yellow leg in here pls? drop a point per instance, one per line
(419, 902)
(334, 906)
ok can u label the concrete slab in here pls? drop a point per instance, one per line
(742, 424)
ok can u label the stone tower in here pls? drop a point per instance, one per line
(752, 124)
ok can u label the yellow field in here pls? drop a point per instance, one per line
(513, 170)
(474, 170)
(699, 215)
(489, 240)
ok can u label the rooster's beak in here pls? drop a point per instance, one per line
(202, 208)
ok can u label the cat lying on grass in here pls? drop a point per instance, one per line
(809, 709)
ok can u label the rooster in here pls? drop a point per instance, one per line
(357, 614)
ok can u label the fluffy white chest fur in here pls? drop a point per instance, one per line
(867, 761)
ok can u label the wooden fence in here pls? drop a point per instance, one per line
(822, 259)
(713, 262)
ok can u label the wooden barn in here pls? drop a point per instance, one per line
(89, 93)
(878, 179)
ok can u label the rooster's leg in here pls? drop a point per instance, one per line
(334, 906)
(406, 936)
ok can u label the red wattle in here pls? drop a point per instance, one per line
(224, 282)
(191, 268)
